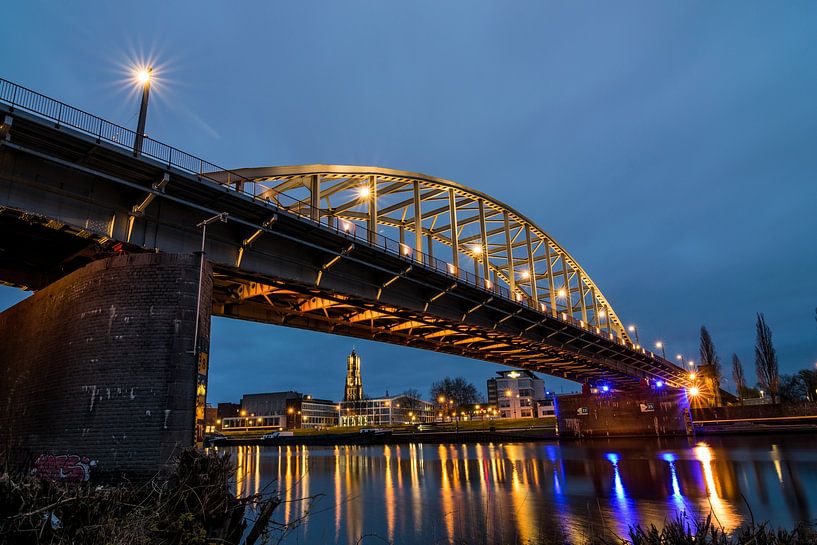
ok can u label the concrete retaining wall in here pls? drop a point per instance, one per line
(654, 412)
(778, 410)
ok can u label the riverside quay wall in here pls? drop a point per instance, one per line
(98, 376)
(661, 411)
(781, 411)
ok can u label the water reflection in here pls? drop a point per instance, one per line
(512, 493)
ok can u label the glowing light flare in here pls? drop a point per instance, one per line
(364, 191)
(561, 292)
(525, 274)
(476, 249)
(346, 226)
(631, 328)
(143, 75)
(694, 391)
(659, 344)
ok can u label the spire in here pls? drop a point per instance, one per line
(354, 384)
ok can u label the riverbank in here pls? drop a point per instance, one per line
(396, 437)
(499, 431)
(191, 502)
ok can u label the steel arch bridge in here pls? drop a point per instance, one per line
(367, 252)
(444, 224)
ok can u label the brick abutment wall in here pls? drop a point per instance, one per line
(97, 371)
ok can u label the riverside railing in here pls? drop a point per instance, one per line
(103, 130)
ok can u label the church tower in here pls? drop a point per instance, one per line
(354, 385)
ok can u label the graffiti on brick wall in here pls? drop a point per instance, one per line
(65, 467)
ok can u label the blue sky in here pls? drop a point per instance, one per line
(670, 147)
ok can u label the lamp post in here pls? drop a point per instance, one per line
(660, 344)
(203, 225)
(633, 329)
(143, 76)
(680, 358)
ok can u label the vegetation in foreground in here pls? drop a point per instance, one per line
(689, 531)
(192, 504)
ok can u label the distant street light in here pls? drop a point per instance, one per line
(143, 77)
(680, 358)
(633, 329)
(660, 345)
(203, 225)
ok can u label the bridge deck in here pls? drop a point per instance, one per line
(67, 197)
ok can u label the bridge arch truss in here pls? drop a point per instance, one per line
(441, 224)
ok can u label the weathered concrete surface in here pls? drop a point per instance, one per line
(649, 412)
(100, 365)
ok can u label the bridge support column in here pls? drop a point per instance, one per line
(100, 365)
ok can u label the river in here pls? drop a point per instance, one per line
(542, 492)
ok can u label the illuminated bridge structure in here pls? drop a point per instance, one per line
(368, 252)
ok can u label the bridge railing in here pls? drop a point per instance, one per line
(62, 114)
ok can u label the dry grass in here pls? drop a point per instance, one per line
(190, 505)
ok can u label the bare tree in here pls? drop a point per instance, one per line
(768, 371)
(413, 398)
(708, 354)
(711, 363)
(739, 377)
(458, 390)
(809, 379)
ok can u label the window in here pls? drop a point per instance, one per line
(526, 414)
(505, 403)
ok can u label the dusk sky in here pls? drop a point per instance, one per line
(670, 147)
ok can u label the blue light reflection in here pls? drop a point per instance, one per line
(677, 497)
(621, 507)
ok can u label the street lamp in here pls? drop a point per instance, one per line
(680, 358)
(633, 329)
(143, 76)
(660, 344)
(203, 226)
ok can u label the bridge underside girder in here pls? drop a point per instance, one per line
(305, 307)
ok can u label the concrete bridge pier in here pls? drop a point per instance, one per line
(98, 373)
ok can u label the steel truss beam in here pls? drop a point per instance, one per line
(480, 230)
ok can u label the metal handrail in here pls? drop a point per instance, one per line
(63, 114)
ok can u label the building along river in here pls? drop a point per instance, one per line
(542, 492)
